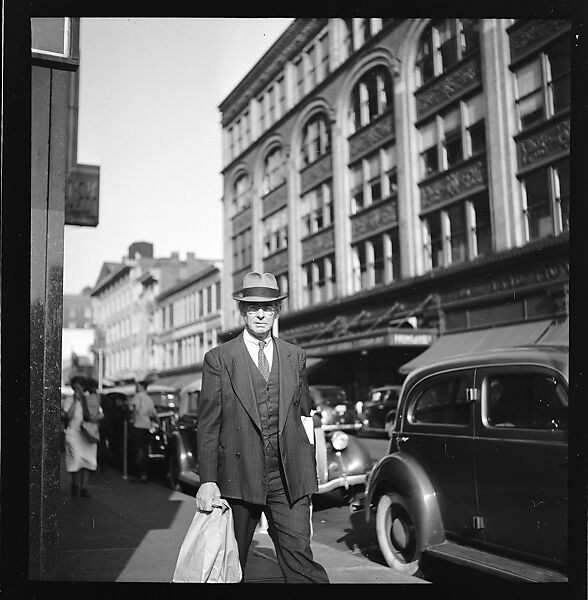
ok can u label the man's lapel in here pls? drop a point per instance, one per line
(288, 373)
(241, 380)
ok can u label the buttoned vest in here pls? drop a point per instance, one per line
(267, 394)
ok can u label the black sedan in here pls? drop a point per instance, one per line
(378, 412)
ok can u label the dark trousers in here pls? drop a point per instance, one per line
(288, 527)
(141, 446)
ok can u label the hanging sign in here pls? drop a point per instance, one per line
(82, 187)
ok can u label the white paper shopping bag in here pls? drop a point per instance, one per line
(209, 552)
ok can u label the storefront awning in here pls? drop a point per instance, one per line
(178, 381)
(312, 364)
(194, 385)
(558, 333)
(456, 344)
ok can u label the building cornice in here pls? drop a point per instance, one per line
(101, 285)
(269, 65)
(184, 283)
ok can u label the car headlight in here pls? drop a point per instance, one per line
(339, 440)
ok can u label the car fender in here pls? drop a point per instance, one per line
(179, 451)
(356, 458)
(402, 474)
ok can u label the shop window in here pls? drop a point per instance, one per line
(376, 260)
(543, 84)
(275, 232)
(241, 195)
(241, 253)
(371, 96)
(457, 233)
(373, 178)
(316, 209)
(453, 135)
(546, 200)
(274, 171)
(318, 279)
(443, 44)
(316, 139)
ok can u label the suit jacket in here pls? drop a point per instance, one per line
(229, 441)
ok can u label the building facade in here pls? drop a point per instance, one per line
(405, 179)
(124, 307)
(77, 335)
(188, 318)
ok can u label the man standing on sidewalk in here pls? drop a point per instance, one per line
(142, 414)
(253, 449)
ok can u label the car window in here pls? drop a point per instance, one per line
(442, 401)
(526, 401)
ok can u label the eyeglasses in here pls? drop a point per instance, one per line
(268, 309)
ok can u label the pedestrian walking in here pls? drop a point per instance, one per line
(143, 414)
(80, 452)
(253, 449)
(95, 410)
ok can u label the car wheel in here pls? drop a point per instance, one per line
(397, 534)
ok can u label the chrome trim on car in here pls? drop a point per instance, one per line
(345, 482)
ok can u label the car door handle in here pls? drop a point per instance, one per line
(404, 438)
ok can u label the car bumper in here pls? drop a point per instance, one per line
(341, 427)
(342, 482)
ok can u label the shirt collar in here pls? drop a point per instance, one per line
(250, 339)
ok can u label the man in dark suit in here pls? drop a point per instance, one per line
(253, 448)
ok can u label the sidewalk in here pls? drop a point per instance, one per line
(132, 532)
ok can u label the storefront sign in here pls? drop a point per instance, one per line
(82, 195)
(410, 338)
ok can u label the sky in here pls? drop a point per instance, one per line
(148, 116)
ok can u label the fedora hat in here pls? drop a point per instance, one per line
(259, 287)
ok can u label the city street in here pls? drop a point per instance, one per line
(132, 532)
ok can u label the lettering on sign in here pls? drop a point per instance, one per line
(82, 190)
(411, 339)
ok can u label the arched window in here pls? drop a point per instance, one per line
(241, 195)
(443, 44)
(316, 139)
(371, 96)
(274, 171)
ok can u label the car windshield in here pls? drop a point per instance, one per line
(388, 395)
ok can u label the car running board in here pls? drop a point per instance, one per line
(506, 568)
(189, 477)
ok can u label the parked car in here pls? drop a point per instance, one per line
(335, 409)
(477, 466)
(343, 461)
(378, 411)
(115, 404)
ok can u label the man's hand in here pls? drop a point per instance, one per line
(208, 495)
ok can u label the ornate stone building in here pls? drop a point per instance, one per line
(407, 180)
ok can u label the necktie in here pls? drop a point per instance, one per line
(262, 361)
